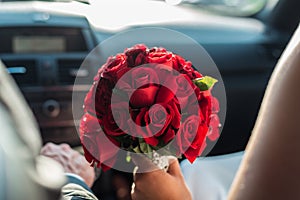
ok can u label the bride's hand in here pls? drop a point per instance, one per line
(159, 184)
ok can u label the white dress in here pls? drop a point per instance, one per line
(210, 178)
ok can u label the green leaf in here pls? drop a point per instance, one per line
(144, 147)
(205, 83)
(136, 150)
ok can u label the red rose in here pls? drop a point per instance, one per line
(142, 120)
(167, 79)
(190, 137)
(102, 97)
(196, 74)
(160, 56)
(185, 86)
(186, 67)
(214, 124)
(89, 124)
(205, 104)
(140, 84)
(214, 121)
(160, 123)
(115, 120)
(215, 105)
(115, 67)
(93, 103)
(202, 103)
(142, 47)
(98, 148)
(192, 104)
(89, 100)
(185, 90)
(142, 95)
(136, 55)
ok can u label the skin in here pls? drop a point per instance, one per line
(158, 184)
(70, 160)
(271, 166)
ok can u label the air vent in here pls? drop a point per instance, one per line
(68, 70)
(23, 71)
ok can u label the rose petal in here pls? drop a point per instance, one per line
(164, 95)
(214, 132)
(144, 97)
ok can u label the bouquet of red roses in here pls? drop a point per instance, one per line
(146, 100)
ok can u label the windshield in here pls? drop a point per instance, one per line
(225, 7)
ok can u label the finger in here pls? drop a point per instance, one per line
(172, 159)
(47, 147)
(57, 154)
(78, 160)
(65, 147)
(174, 169)
(57, 158)
(142, 180)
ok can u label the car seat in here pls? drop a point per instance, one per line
(24, 174)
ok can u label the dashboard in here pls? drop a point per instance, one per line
(21, 40)
(43, 54)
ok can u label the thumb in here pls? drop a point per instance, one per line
(174, 167)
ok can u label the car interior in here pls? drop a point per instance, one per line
(44, 45)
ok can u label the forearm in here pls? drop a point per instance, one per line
(270, 169)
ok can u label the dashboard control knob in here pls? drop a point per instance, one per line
(51, 108)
